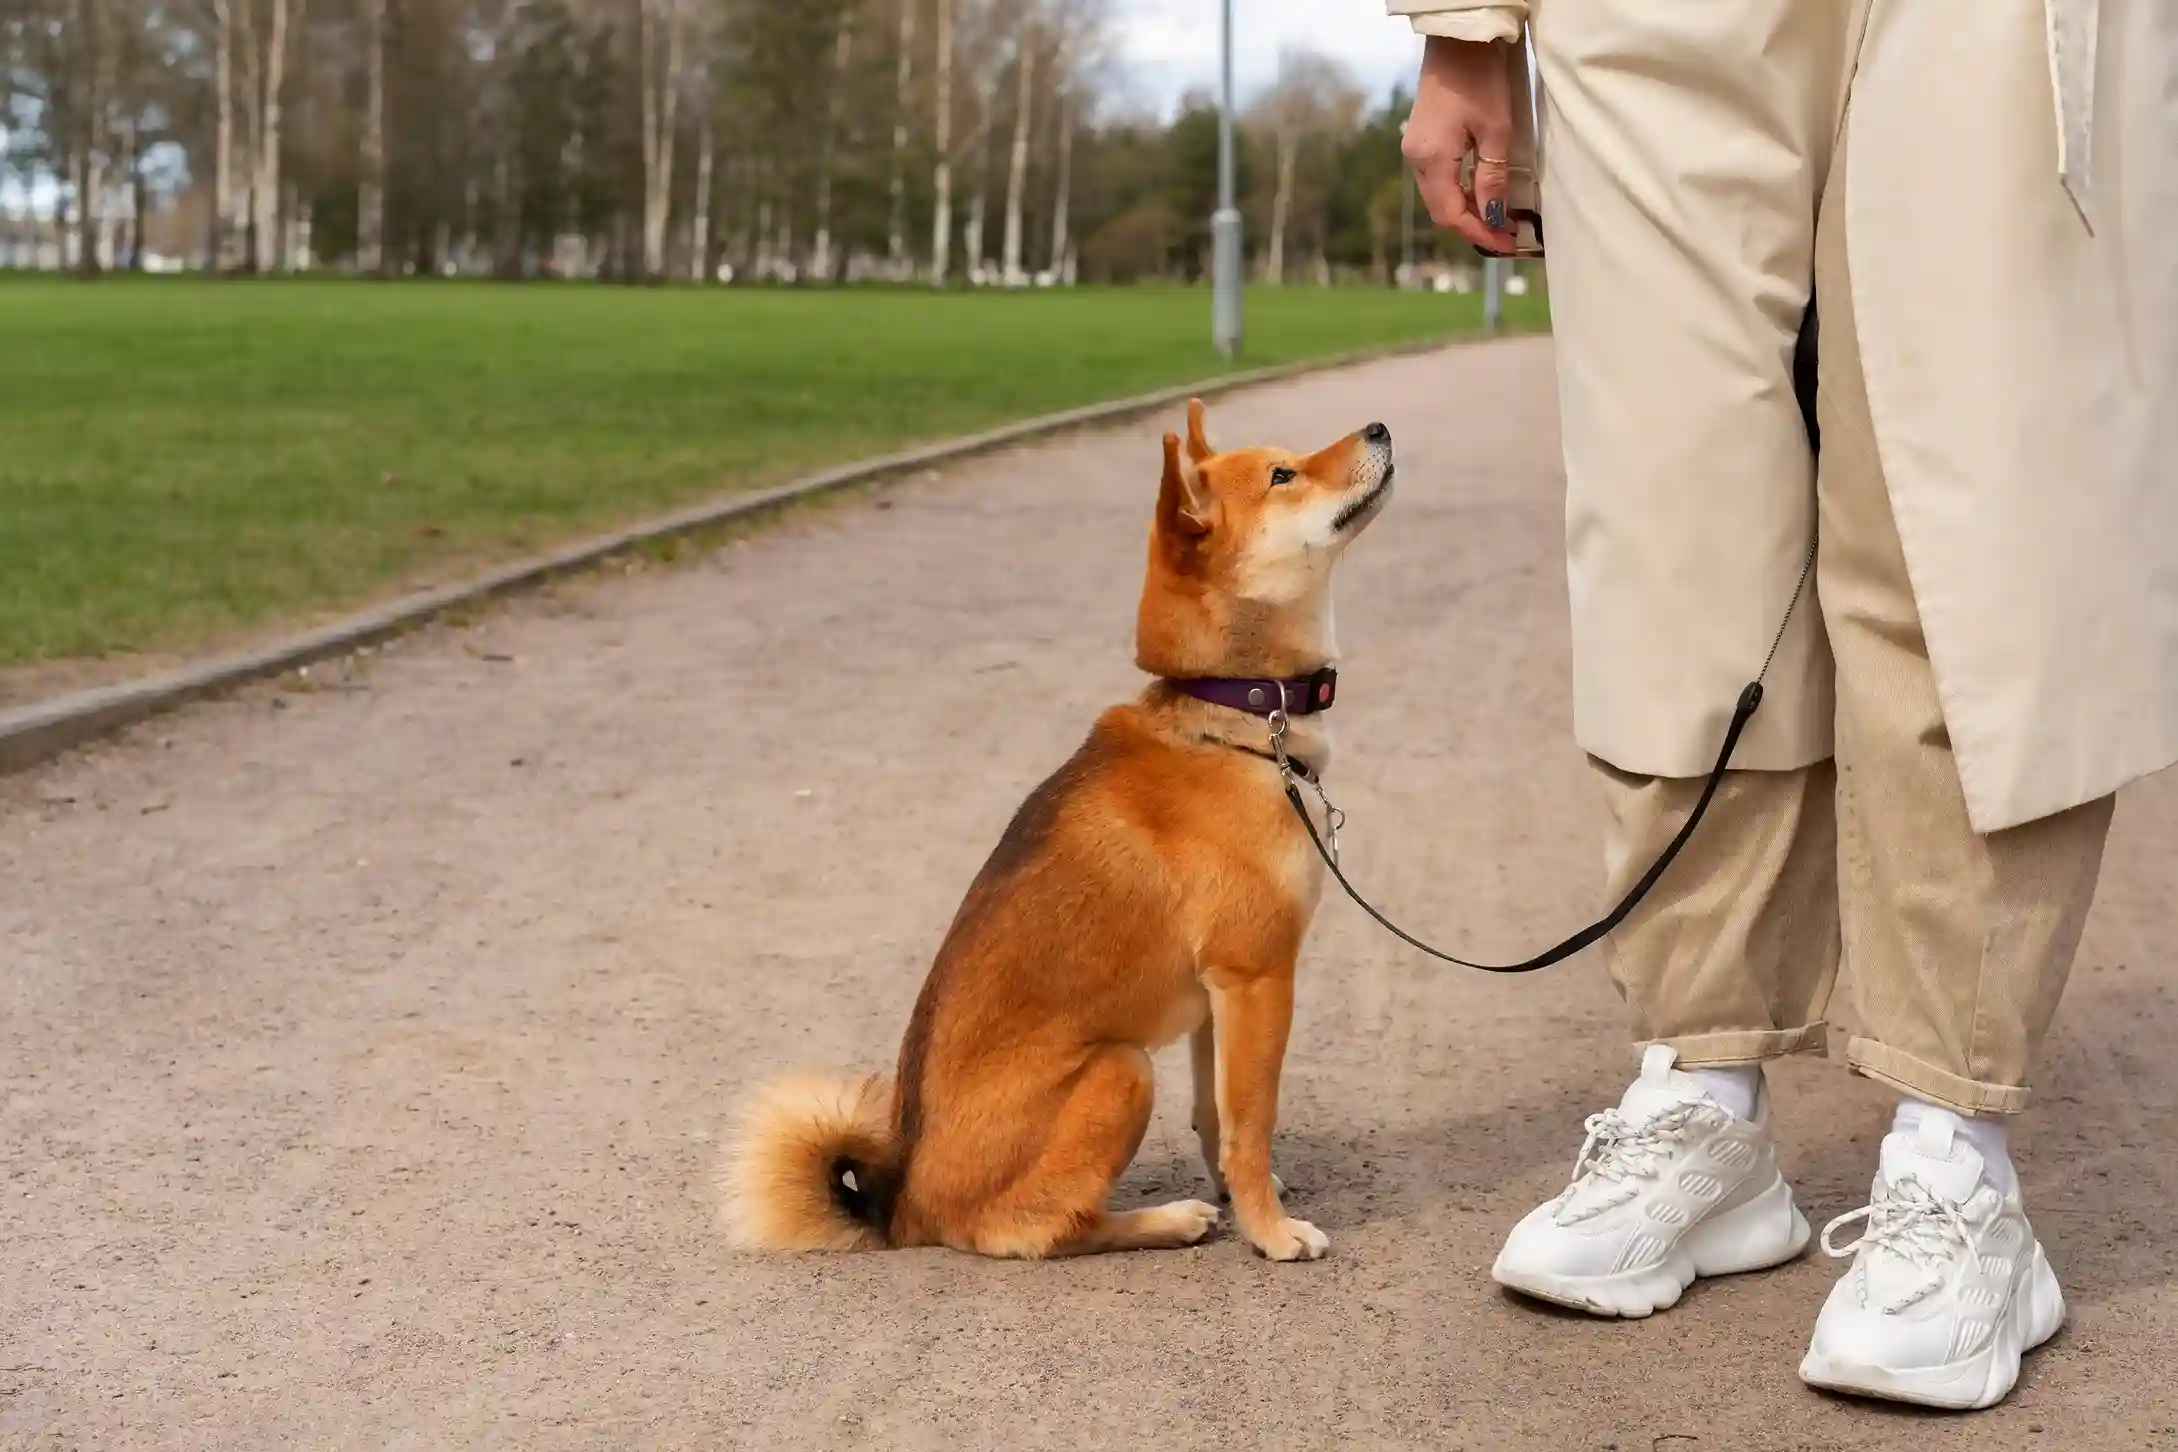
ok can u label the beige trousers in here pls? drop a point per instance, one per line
(1956, 946)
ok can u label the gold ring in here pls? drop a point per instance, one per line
(1481, 160)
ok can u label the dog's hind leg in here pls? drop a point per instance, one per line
(1166, 1227)
(1057, 1208)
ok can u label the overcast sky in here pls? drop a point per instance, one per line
(1170, 46)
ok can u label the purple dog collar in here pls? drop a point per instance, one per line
(1295, 695)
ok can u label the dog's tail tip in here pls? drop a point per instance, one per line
(812, 1166)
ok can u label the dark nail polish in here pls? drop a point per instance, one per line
(1494, 213)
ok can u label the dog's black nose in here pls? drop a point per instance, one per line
(1376, 433)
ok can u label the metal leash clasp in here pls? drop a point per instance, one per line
(1279, 725)
(1333, 818)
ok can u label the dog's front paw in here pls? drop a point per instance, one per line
(1292, 1240)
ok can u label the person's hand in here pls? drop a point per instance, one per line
(1463, 103)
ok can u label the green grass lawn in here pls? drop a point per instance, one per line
(183, 462)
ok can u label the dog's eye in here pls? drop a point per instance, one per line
(1282, 476)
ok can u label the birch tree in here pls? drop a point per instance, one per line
(371, 190)
(265, 224)
(699, 234)
(985, 55)
(903, 78)
(821, 259)
(659, 38)
(1274, 264)
(264, 93)
(1063, 191)
(253, 122)
(712, 46)
(979, 202)
(941, 184)
(1311, 105)
(222, 230)
(1079, 28)
(1017, 167)
(97, 49)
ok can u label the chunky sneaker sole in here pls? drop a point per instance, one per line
(1756, 1234)
(1977, 1381)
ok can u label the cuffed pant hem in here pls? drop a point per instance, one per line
(1924, 1080)
(1744, 1046)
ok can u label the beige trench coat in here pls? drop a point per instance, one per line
(2012, 220)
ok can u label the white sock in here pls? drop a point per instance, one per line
(1988, 1134)
(1734, 1086)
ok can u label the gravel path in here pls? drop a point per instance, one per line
(364, 1043)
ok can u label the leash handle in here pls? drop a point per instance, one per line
(1750, 701)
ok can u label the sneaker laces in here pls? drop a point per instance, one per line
(1619, 1149)
(1911, 1224)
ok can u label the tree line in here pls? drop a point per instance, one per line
(802, 141)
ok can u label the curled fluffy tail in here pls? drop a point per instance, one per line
(814, 1166)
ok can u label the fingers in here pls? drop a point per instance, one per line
(1451, 205)
(1493, 179)
(1493, 186)
(1435, 153)
(1473, 222)
(1463, 106)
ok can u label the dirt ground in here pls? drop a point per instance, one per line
(365, 1043)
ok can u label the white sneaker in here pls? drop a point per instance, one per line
(1948, 1284)
(1669, 1186)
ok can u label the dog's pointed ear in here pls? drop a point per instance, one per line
(1183, 504)
(1198, 441)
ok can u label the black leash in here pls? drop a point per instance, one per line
(1750, 701)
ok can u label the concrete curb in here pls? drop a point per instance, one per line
(36, 733)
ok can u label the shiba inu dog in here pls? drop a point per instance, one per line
(1157, 885)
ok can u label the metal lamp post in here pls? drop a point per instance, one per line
(1225, 260)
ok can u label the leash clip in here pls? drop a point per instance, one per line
(1333, 818)
(1279, 724)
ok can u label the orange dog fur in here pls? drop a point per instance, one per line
(1155, 886)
